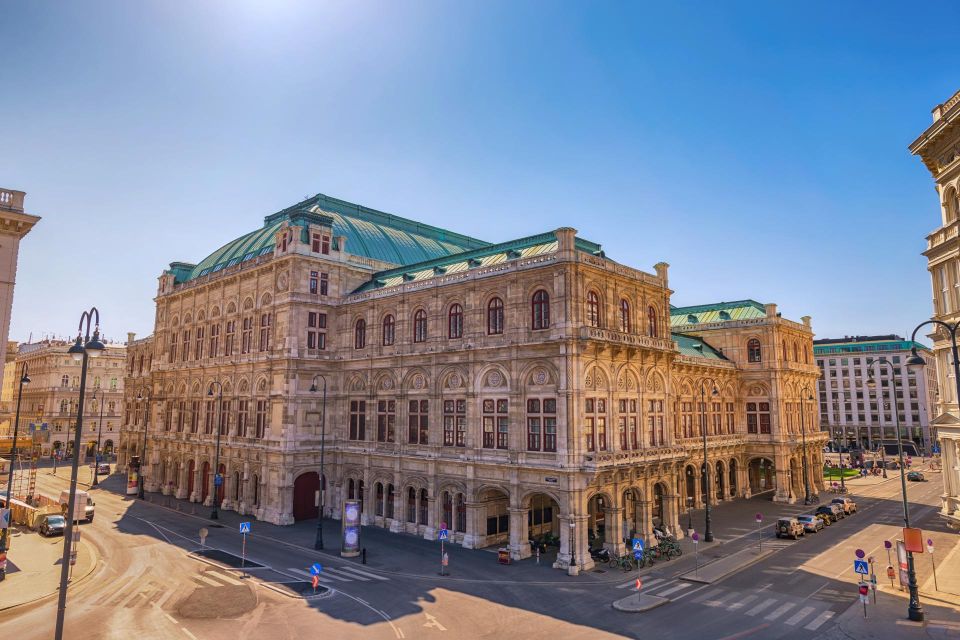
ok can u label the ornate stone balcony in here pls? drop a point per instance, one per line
(11, 200)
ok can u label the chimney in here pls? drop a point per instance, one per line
(771, 310)
(565, 239)
(662, 268)
(806, 321)
(130, 336)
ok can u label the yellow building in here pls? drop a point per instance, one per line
(509, 390)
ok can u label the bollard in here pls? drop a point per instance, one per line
(363, 556)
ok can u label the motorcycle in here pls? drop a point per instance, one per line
(600, 555)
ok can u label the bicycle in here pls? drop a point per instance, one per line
(624, 562)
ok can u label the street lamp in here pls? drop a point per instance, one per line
(96, 455)
(85, 347)
(318, 543)
(217, 480)
(914, 611)
(24, 379)
(714, 392)
(573, 544)
(689, 515)
(843, 484)
(141, 481)
(803, 435)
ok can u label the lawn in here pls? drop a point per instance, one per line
(834, 473)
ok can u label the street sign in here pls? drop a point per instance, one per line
(860, 566)
(929, 544)
(863, 589)
(316, 568)
(638, 545)
(316, 582)
(695, 537)
(639, 584)
(217, 480)
(443, 535)
(886, 544)
(244, 527)
(443, 525)
(637, 554)
(4, 518)
(859, 553)
(759, 518)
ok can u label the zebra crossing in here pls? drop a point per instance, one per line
(769, 609)
(215, 579)
(333, 575)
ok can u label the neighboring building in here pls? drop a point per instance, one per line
(509, 390)
(54, 393)
(851, 412)
(14, 224)
(939, 149)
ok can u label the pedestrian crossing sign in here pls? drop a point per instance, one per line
(244, 527)
(638, 544)
(860, 566)
(444, 534)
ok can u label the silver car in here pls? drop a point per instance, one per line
(811, 524)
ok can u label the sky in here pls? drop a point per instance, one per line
(759, 148)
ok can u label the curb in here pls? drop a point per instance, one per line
(75, 581)
(632, 604)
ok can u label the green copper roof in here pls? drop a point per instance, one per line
(718, 312)
(369, 233)
(692, 346)
(864, 347)
(528, 247)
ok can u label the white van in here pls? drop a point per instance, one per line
(82, 508)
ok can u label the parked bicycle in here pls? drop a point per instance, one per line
(624, 562)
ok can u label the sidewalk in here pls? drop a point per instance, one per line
(33, 568)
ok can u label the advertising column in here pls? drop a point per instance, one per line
(350, 532)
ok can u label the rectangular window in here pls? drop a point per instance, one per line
(596, 424)
(225, 417)
(589, 424)
(542, 424)
(214, 340)
(262, 419)
(731, 419)
(266, 331)
(417, 421)
(167, 415)
(358, 419)
(455, 423)
(228, 340)
(686, 419)
(243, 413)
(181, 415)
(386, 420)
(533, 425)
(324, 284)
(186, 347)
(716, 418)
(314, 282)
(655, 422)
(198, 350)
(194, 415)
(246, 335)
(764, 417)
(173, 346)
(496, 423)
(209, 417)
(758, 417)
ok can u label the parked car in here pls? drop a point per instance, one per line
(833, 511)
(916, 476)
(103, 467)
(810, 523)
(847, 504)
(826, 517)
(52, 525)
(789, 528)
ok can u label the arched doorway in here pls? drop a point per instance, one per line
(632, 516)
(391, 501)
(91, 449)
(658, 512)
(191, 473)
(691, 486)
(204, 481)
(543, 516)
(305, 489)
(222, 472)
(733, 478)
(760, 475)
(494, 504)
(597, 509)
(720, 482)
(236, 487)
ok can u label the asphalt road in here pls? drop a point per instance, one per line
(148, 584)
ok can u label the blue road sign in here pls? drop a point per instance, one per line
(861, 567)
(217, 480)
(443, 535)
(244, 527)
(638, 545)
(316, 568)
(935, 448)
(637, 554)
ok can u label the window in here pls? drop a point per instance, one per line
(730, 414)
(624, 316)
(314, 282)
(194, 415)
(540, 310)
(455, 322)
(389, 328)
(173, 346)
(386, 420)
(496, 424)
(411, 505)
(716, 418)
(360, 334)
(225, 417)
(542, 424)
(652, 330)
(495, 317)
(358, 419)
(262, 419)
(208, 417)
(596, 424)
(686, 419)
(758, 417)
(214, 340)
(266, 331)
(228, 340)
(246, 335)
(753, 350)
(420, 326)
(316, 334)
(593, 310)
(796, 352)
(655, 422)
(627, 424)
(185, 355)
(784, 350)
(181, 415)
(417, 421)
(198, 349)
(320, 243)
(455, 423)
(167, 415)
(65, 381)
(324, 284)
(243, 416)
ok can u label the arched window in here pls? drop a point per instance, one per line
(388, 330)
(593, 309)
(796, 352)
(455, 321)
(652, 330)
(495, 316)
(784, 349)
(806, 356)
(412, 505)
(951, 205)
(266, 331)
(624, 316)
(360, 334)
(540, 309)
(420, 326)
(753, 350)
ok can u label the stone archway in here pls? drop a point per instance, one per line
(305, 489)
(633, 522)
(761, 474)
(494, 517)
(719, 482)
(733, 484)
(690, 487)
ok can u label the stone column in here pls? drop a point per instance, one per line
(228, 490)
(671, 517)
(581, 544)
(430, 526)
(472, 537)
(784, 488)
(183, 481)
(613, 526)
(399, 510)
(644, 521)
(519, 534)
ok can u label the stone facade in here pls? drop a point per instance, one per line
(14, 224)
(510, 391)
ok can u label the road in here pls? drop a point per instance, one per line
(150, 584)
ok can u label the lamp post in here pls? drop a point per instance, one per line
(840, 446)
(803, 436)
(318, 543)
(689, 515)
(96, 454)
(914, 610)
(215, 514)
(714, 392)
(573, 545)
(24, 379)
(85, 347)
(141, 481)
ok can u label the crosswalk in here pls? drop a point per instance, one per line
(811, 615)
(215, 579)
(332, 575)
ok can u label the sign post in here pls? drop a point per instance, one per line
(244, 529)
(315, 570)
(933, 564)
(887, 545)
(696, 552)
(203, 537)
(863, 596)
(443, 536)
(873, 578)
(759, 518)
(902, 561)
(638, 556)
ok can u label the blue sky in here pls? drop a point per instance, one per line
(759, 148)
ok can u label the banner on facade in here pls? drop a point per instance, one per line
(350, 523)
